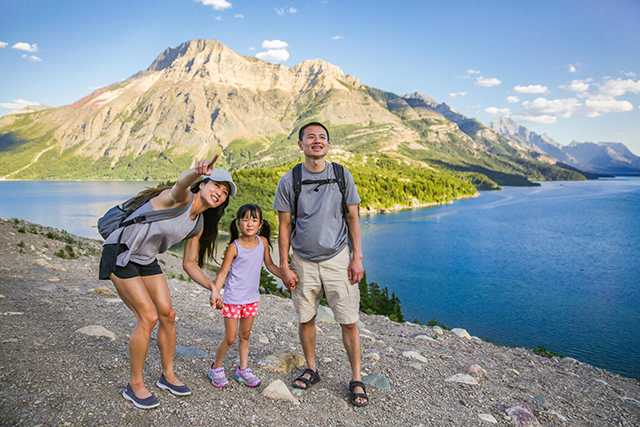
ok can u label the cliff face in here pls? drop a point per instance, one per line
(202, 98)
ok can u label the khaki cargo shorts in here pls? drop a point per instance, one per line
(330, 276)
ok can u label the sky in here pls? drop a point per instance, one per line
(567, 68)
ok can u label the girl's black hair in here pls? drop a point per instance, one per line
(207, 243)
(255, 212)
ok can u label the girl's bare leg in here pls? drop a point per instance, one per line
(243, 345)
(230, 331)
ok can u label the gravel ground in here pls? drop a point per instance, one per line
(50, 374)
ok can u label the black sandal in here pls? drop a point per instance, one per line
(308, 382)
(353, 395)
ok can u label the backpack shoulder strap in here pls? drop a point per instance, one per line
(338, 171)
(297, 188)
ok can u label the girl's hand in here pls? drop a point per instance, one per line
(216, 299)
(203, 167)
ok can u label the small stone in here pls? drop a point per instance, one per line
(541, 400)
(372, 356)
(190, 351)
(415, 355)
(49, 288)
(54, 279)
(377, 380)
(560, 417)
(462, 333)
(263, 339)
(325, 315)
(416, 366)
(98, 331)
(488, 418)
(103, 291)
(476, 370)
(522, 416)
(422, 336)
(278, 390)
(570, 360)
(438, 330)
(283, 362)
(327, 360)
(8, 340)
(463, 378)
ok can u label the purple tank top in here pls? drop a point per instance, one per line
(243, 281)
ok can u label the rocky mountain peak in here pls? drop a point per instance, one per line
(314, 67)
(187, 50)
(421, 97)
(504, 125)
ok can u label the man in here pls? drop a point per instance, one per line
(321, 260)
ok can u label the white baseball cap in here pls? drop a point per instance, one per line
(220, 175)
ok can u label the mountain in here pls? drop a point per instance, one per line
(601, 158)
(202, 98)
(605, 157)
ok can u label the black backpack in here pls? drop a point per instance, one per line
(338, 172)
(115, 217)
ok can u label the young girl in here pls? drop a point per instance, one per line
(243, 263)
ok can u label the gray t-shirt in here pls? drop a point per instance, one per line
(321, 231)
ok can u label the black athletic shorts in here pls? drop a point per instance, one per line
(132, 269)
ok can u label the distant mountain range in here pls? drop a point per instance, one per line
(202, 98)
(599, 158)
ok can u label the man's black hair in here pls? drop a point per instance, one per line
(301, 132)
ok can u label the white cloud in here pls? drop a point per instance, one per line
(556, 107)
(218, 18)
(274, 55)
(274, 44)
(483, 82)
(279, 11)
(512, 99)
(531, 89)
(216, 4)
(470, 71)
(34, 58)
(3, 44)
(577, 85)
(252, 48)
(26, 47)
(292, 10)
(239, 15)
(619, 87)
(454, 94)
(497, 111)
(604, 104)
(572, 69)
(534, 119)
(628, 73)
(17, 104)
(338, 37)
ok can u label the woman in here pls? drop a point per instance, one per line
(132, 266)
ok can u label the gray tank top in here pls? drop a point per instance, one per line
(146, 241)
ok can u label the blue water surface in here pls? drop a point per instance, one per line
(556, 265)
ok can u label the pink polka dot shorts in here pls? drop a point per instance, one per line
(239, 311)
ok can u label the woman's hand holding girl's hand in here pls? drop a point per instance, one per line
(203, 167)
(216, 299)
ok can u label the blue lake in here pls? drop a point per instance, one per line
(556, 265)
